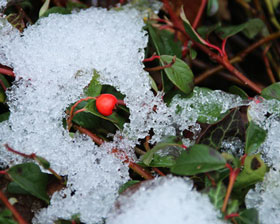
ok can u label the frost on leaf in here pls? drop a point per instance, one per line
(164, 200)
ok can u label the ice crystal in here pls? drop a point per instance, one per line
(164, 200)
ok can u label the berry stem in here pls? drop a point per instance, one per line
(7, 72)
(199, 13)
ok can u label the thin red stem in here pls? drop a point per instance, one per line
(3, 172)
(71, 115)
(267, 64)
(121, 102)
(158, 171)
(7, 72)
(199, 13)
(94, 137)
(79, 111)
(224, 47)
(158, 68)
(30, 156)
(16, 214)
(151, 58)
(232, 177)
(140, 170)
(232, 215)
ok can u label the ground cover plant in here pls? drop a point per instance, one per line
(139, 111)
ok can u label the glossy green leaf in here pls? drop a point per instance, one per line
(5, 116)
(231, 125)
(30, 178)
(127, 185)
(179, 73)
(44, 8)
(115, 118)
(250, 29)
(255, 136)
(189, 29)
(164, 43)
(212, 7)
(253, 172)
(167, 142)
(94, 88)
(272, 91)
(14, 188)
(248, 216)
(238, 91)
(217, 194)
(198, 159)
(153, 84)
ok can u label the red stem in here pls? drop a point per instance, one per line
(94, 137)
(31, 156)
(151, 58)
(3, 172)
(140, 170)
(7, 72)
(199, 13)
(158, 171)
(267, 64)
(18, 217)
(158, 68)
(232, 215)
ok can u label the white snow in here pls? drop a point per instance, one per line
(164, 200)
(266, 195)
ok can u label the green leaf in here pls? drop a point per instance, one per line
(127, 185)
(2, 95)
(253, 172)
(94, 88)
(248, 216)
(272, 91)
(217, 194)
(14, 188)
(189, 29)
(29, 177)
(167, 142)
(153, 84)
(179, 73)
(250, 29)
(233, 207)
(230, 126)
(5, 81)
(43, 162)
(44, 8)
(205, 31)
(198, 159)
(238, 91)
(5, 116)
(164, 43)
(6, 217)
(255, 136)
(115, 118)
(212, 7)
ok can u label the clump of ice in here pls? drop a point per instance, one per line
(3, 3)
(164, 200)
(265, 197)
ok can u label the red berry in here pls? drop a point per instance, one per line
(105, 104)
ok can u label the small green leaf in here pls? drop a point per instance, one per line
(14, 188)
(238, 91)
(153, 84)
(164, 43)
(217, 194)
(272, 91)
(253, 172)
(30, 178)
(127, 185)
(189, 29)
(233, 207)
(230, 125)
(198, 159)
(56, 9)
(168, 141)
(248, 216)
(43, 162)
(5, 81)
(255, 136)
(5, 116)
(44, 8)
(250, 29)
(212, 7)
(115, 118)
(94, 88)
(2, 95)
(179, 73)
(6, 217)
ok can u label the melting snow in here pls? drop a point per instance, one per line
(164, 200)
